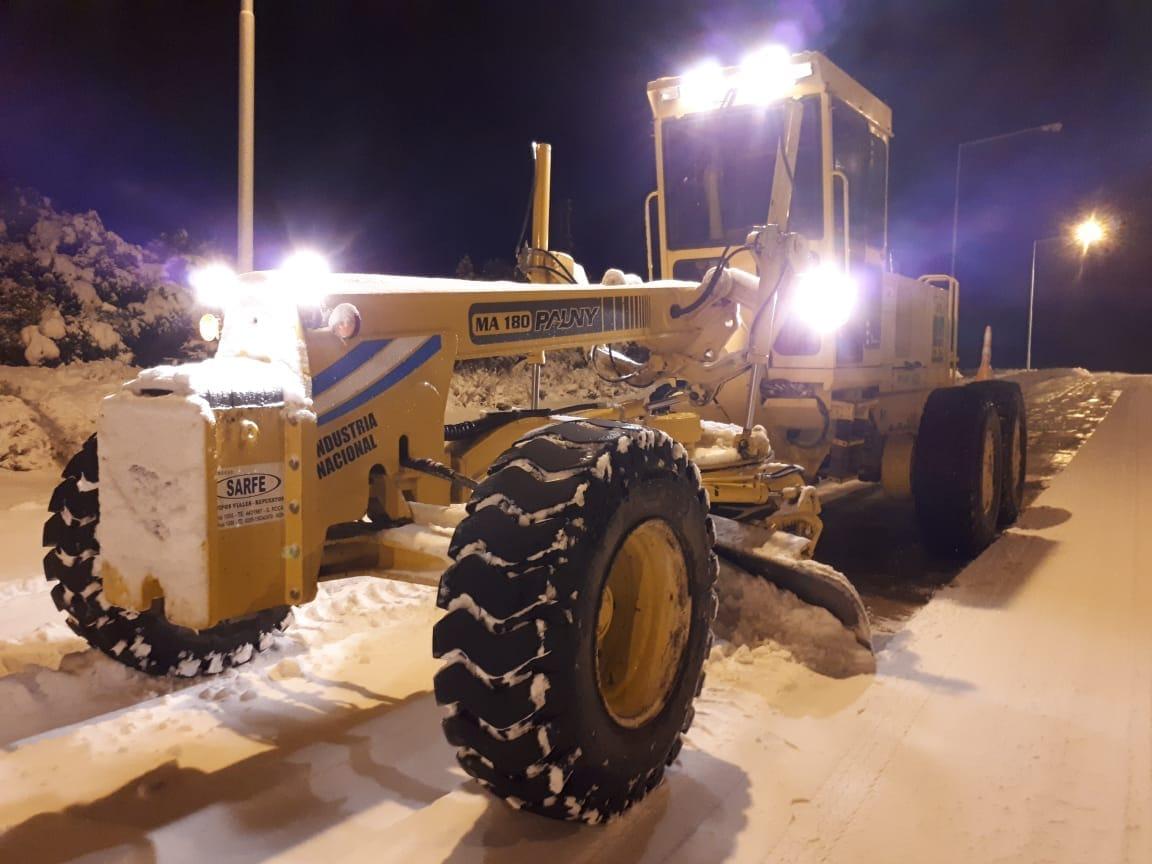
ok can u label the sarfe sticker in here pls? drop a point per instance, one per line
(249, 494)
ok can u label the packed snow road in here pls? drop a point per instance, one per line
(874, 540)
(1009, 718)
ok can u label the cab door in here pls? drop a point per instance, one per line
(860, 220)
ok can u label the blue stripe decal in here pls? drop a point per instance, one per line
(413, 362)
(347, 364)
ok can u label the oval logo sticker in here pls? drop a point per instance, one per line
(247, 485)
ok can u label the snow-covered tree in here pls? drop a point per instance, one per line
(70, 289)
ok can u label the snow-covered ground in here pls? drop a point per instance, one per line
(1009, 717)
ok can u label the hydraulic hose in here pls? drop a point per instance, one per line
(472, 428)
(678, 311)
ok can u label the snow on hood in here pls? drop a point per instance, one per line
(221, 375)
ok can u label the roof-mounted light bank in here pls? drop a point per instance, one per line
(763, 76)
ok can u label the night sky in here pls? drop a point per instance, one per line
(395, 136)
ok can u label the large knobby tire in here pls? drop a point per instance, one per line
(1009, 402)
(146, 641)
(579, 617)
(956, 472)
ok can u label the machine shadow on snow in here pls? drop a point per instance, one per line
(997, 576)
(903, 662)
(679, 805)
(1042, 517)
(271, 794)
(85, 662)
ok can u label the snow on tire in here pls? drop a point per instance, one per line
(579, 612)
(146, 641)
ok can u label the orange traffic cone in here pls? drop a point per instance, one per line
(985, 370)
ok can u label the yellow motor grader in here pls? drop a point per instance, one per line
(581, 566)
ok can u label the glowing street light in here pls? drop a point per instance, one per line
(1087, 234)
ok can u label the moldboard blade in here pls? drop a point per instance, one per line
(814, 583)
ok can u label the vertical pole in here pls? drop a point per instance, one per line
(1031, 306)
(535, 386)
(956, 211)
(247, 130)
(541, 194)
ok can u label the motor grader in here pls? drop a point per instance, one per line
(581, 566)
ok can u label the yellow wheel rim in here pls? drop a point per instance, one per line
(988, 469)
(642, 624)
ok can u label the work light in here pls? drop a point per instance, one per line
(824, 298)
(214, 284)
(304, 275)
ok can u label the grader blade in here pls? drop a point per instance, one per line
(816, 584)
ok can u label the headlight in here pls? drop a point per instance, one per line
(214, 284)
(304, 275)
(824, 298)
(209, 327)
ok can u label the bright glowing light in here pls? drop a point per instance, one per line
(214, 284)
(209, 327)
(304, 274)
(703, 87)
(1090, 232)
(824, 298)
(766, 74)
(305, 262)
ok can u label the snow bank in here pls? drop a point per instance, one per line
(65, 401)
(756, 616)
(48, 680)
(23, 444)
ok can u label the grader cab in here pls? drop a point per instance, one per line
(792, 141)
(574, 547)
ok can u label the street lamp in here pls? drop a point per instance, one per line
(1047, 127)
(1087, 233)
(246, 148)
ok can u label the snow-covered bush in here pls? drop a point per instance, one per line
(71, 290)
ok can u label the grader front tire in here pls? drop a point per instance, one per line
(579, 612)
(146, 641)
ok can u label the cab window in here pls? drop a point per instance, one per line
(863, 157)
